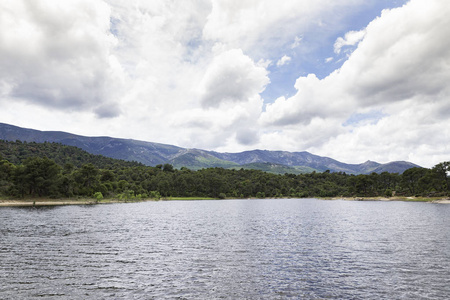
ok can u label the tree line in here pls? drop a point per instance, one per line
(59, 171)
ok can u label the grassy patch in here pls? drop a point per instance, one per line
(420, 199)
(188, 198)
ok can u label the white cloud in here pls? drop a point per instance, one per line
(231, 124)
(57, 54)
(401, 67)
(351, 39)
(314, 98)
(264, 63)
(191, 73)
(296, 42)
(261, 26)
(232, 77)
(284, 60)
(410, 134)
(410, 59)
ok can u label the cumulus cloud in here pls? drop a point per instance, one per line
(108, 111)
(400, 68)
(232, 77)
(409, 59)
(351, 39)
(268, 23)
(314, 98)
(284, 60)
(57, 54)
(232, 124)
(247, 137)
(409, 134)
(192, 73)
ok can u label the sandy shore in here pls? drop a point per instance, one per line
(406, 199)
(55, 202)
(442, 201)
(44, 202)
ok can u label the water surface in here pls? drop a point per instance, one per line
(230, 249)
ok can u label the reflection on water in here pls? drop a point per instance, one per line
(269, 249)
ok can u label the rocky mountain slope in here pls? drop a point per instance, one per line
(153, 154)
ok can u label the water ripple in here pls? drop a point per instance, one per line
(234, 249)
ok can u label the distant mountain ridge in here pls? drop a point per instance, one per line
(153, 154)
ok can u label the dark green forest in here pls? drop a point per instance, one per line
(30, 170)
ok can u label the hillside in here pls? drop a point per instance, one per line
(276, 168)
(131, 150)
(198, 159)
(17, 152)
(293, 159)
(30, 170)
(152, 154)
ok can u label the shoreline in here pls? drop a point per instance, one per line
(60, 202)
(438, 200)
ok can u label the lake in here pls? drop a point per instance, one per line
(227, 249)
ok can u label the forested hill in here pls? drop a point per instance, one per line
(17, 152)
(55, 170)
(152, 154)
(147, 153)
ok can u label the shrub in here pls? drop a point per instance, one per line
(98, 196)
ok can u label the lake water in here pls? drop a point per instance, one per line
(230, 249)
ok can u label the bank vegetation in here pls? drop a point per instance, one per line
(49, 170)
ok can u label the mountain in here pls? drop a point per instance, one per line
(292, 159)
(394, 167)
(153, 154)
(196, 159)
(18, 152)
(131, 150)
(276, 168)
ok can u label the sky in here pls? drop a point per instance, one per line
(354, 80)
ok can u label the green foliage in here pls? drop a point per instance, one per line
(17, 152)
(154, 195)
(261, 195)
(36, 177)
(197, 161)
(70, 172)
(168, 168)
(275, 168)
(7, 170)
(411, 179)
(98, 196)
(388, 192)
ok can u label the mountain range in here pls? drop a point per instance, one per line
(153, 154)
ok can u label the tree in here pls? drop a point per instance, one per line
(411, 177)
(107, 175)
(68, 168)
(86, 179)
(37, 176)
(168, 168)
(6, 174)
(441, 172)
(66, 185)
(363, 185)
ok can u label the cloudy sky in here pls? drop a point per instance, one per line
(351, 79)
